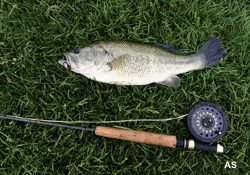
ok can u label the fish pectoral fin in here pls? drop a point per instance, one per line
(172, 82)
(120, 62)
(117, 64)
(170, 48)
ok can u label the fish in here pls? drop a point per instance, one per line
(128, 63)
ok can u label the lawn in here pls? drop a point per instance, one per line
(35, 34)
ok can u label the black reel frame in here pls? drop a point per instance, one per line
(206, 122)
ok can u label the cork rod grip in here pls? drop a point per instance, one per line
(137, 136)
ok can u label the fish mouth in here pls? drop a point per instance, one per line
(66, 63)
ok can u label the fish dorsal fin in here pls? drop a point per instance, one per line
(170, 48)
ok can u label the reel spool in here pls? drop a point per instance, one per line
(206, 122)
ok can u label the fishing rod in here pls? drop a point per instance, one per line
(206, 122)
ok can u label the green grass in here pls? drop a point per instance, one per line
(35, 34)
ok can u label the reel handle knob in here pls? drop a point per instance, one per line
(191, 144)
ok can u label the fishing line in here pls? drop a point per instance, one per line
(32, 120)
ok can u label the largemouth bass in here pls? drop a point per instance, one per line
(128, 63)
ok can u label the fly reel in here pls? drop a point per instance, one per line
(206, 122)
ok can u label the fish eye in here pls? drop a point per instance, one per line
(77, 51)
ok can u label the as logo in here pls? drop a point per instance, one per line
(233, 165)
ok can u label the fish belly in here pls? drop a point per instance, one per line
(121, 79)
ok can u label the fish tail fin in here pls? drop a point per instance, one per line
(211, 52)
